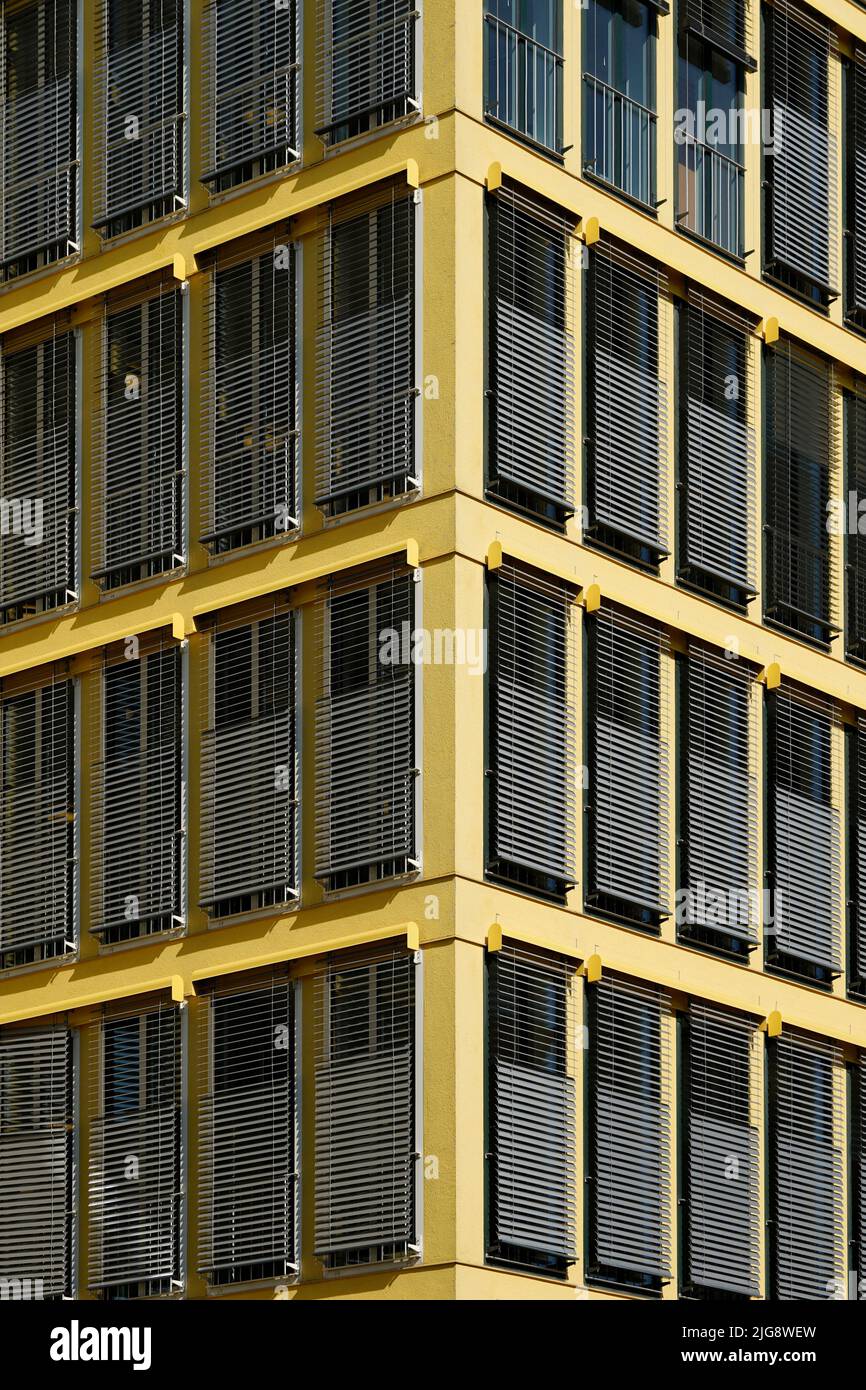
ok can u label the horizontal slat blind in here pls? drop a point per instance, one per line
(532, 346)
(250, 405)
(533, 723)
(366, 764)
(37, 842)
(718, 443)
(629, 763)
(136, 792)
(366, 62)
(37, 473)
(802, 209)
(724, 1062)
(720, 811)
(134, 1160)
(808, 1187)
(855, 543)
(805, 857)
(36, 1192)
(367, 396)
(37, 117)
(366, 1146)
(631, 1118)
(855, 188)
(627, 406)
(859, 1139)
(251, 83)
(138, 108)
(722, 22)
(532, 1097)
(248, 1183)
(249, 764)
(857, 841)
(139, 445)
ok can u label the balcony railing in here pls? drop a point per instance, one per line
(710, 195)
(619, 144)
(523, 84)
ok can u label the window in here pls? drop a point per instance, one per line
(37, 820)
(366, 1175)
(139, 445)
(800, 459)
(250, 398)
(628, 795)
(523, 69)
(366, 761)
(532, 1111)
(803, 836)
(713, 38)
(800, 186)
(808, 1250)
(37, 80)
(855, 189)
(532, 774)
(625, 354)
(37, 1195)
(854, 405)
(367, 66)
(252, 84)
(248, 1134)
(722, 1065)
(134, 1161)
(718, 837)
(856, 861)
(37, 473)
(628, 1137)
(138, 113)
(530, 357)
(619, 95)
(136, 796)
(717, 493)
(368, 400)
(249, 767)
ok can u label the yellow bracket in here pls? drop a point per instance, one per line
(772, 1024)
(771, 675)
(494, 178)
(769, 330)
(494, 937)
(591, 598)
(591, 968)
(184, 265)
(589, 231)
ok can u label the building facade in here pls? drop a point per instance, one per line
(433, 649)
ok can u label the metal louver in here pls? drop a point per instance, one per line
(251, 79)
(135, 1154)
(37, 472)
(855, 187)
(250, 397)
(802, 195)
(249, 763)
(859, 1139)
(248, 1132)
(531, 354)
(137, 814)
(717, 453)
(367, 1129)
(533, 727)
(857, 860)
(38, 64)
(801, 465)
(626, 402)
(367, 394)
(724, 24)
(804, 830)
(719, 809)
(807, 1185)
(630, 1145)
(37, 818)
(138, 103)
(531, 1052)
(723, 1062)
(366, 63)
(366, 760)
(36, 1142)
(139, 445)
(855, 543)
(629, 766)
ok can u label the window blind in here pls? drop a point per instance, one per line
(532, 1124)
(855, 543)
(855, 186)
(36, 1146)
(531, 250)
(248, 1132)
(857, 857)
(726, 25)
(368, 397)
(366, 64)
(366, 1133)
(249, 763)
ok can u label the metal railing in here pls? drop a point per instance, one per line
(523, 84)
(710, 195)
(619, 141)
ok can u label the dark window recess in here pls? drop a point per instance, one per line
(523, 69)
(619, 96)
(855, 189)
(857, 860)
(366, 66)
(710, 171)
(853, 522)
